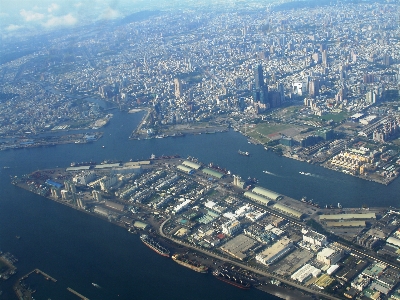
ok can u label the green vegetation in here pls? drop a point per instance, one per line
(267, 129)
(339, 117)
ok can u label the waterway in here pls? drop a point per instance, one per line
(78, 249)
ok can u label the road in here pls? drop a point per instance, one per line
(242, 265)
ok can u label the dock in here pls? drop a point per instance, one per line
(77, 294)
(47, 276)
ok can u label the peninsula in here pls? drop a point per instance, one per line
(244, 234)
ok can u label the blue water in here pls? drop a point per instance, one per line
(78, 249)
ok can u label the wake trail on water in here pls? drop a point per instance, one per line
(273, 174)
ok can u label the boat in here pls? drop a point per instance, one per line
(96, 285)
(231, 279)
(184, 261)
(155, 246)
(245, 153)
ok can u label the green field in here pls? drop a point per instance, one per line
(261, 131)
(336, 117)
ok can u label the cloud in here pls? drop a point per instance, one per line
(110, 14)
(13, 27)
(29, 15)
(53, 7)
(67, 20)
(79, 4)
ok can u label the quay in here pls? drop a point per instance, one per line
(47, 276)
(77, 294)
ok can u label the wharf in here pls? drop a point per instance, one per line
(77, 294)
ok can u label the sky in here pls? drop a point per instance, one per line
(19, 17)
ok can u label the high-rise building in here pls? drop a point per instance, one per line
(370, 97)
(259, 76)
(324, 58)
(260, 91)
(314, 87)
(178, 88)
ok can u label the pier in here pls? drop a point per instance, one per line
(77, 294)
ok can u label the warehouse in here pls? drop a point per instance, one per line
(257, 198)
(347, 217)
(238, 246)
(346, 224)
(185, 169)
(80, 168)
(275, 252)
(267, 193)
(213, 173)
(305, 272)
(393, 241)
(140, 225)
(288, 211)
(191, 165)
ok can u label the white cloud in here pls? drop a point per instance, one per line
(13, 27)
(67, 20)
(29, 15)
(53, 7)
(79, 4)
(110, 14)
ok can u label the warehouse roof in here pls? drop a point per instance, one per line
(184, 169)
(347, 216)
(257, 198)
(346, 224)
(191, 164)
(287, 210)
(213, 173)
(267, 193)
(81, 168)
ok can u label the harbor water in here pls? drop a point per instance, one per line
(78, 249)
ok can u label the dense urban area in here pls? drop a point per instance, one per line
(316, 83)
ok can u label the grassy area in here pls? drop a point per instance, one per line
(339, 117)
(266, 128)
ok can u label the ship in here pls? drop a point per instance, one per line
(152, 244)
(245, 153)
(231, 279)
(195, 266)
(96, 285)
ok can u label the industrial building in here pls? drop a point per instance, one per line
(288, 211)
(340, 217)
(257, 198)
(314, 238)
(231, 227)
(185, 169)
(346, 224)
(305, 272)
(191, 165)
(329, 256)
(267, 193)
(213, 173)
(238, 246)
(275, 252)
(114, 205)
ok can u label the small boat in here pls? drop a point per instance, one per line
(96, 285)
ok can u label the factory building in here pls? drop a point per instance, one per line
(231, 227)
(305, 272)
(329, 256)
(314, 238)
(275, 252)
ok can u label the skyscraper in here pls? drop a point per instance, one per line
(178, 88)
(259, 76)
(260, 91)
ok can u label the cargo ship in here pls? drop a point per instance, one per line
(152, 244)
(195, 266)
(231, 279)
(245, 153)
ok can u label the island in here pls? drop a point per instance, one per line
(210, 220)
